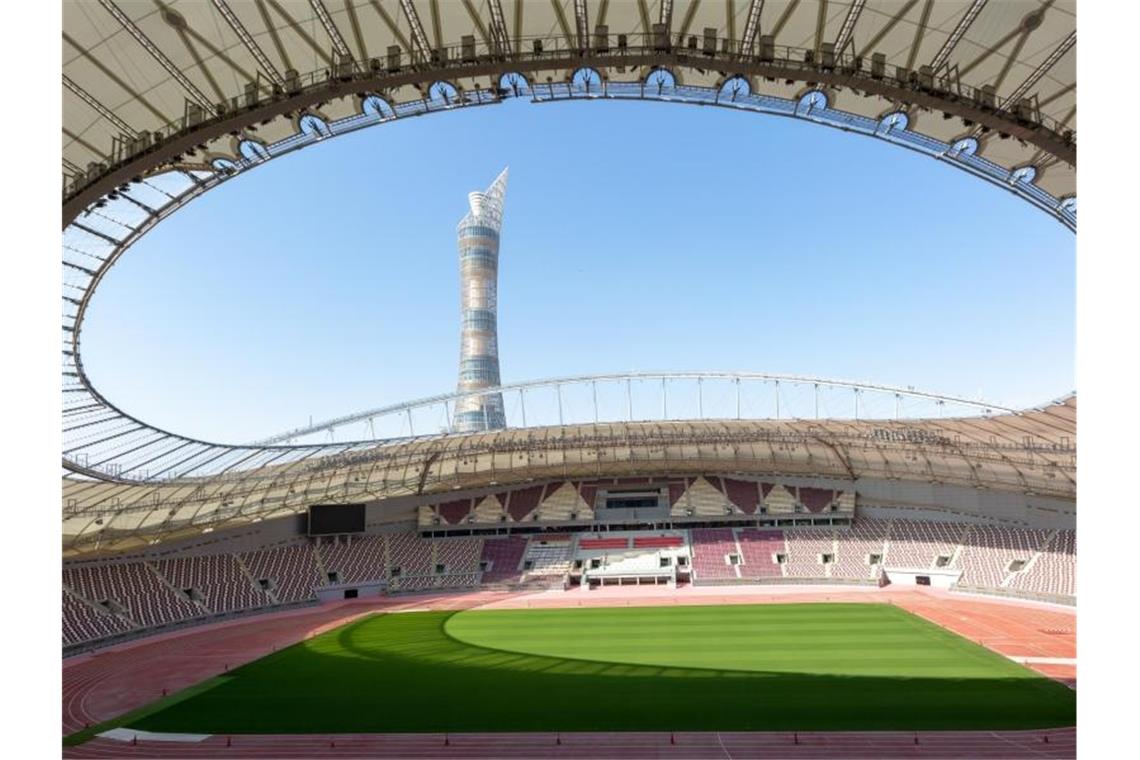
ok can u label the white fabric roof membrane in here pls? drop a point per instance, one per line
(131, 66)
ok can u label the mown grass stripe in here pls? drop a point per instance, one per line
(757, 667)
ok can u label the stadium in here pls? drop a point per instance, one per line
(696, 563)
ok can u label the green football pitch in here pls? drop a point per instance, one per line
(755, 667)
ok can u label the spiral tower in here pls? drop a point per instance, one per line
(478, 296)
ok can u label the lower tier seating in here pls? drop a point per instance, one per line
(102, 600)
(806, 550)
(134, 588)
(759, 549)
(291, 571)
(857, 547)
(81, 622)
(216, 579)
(504, 558)
(713, 549)
(355, 559)
(1055, 569)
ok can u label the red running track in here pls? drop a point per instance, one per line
(1054, 743)
(116, 680)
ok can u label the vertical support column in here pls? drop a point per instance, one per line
(629, 398)
(700, 399)
(664, 400)
(595, 389)
(777, 399)
(559, 388)
(816, 400)
(738, 398)
(522, 405)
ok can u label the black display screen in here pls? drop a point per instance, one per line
(333, 519)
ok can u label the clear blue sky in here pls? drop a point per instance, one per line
(636, 236)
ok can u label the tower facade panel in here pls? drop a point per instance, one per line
(478, 304)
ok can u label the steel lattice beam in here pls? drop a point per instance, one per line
(419, 39)
(1043, 69)
(499, 26)
(330, 28)
(247, 40)
(99, 108)
(752, 24)
(848, 27)
(582, 21)
(956, 35)
(157, 54)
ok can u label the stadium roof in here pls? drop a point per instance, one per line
(1032, 452)
(164, 101)
(150, 85)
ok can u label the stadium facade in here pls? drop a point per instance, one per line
(478, 302)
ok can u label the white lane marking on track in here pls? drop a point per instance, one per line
(723, 748)
(1022, 747)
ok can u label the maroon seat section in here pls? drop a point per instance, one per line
(604, 543)
(657, 542)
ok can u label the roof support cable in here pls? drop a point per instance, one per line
(97, 234)
(134, 428)
(150, 211)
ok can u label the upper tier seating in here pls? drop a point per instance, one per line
(865, 537)
(217, 578)
(357, 559)
(711, 546)
(147, 600)
(758, 548)
(291, 568)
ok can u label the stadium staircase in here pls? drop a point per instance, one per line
(1028, 568)
(253, 581)
(956, 558)
(196, 601)
(322, 571)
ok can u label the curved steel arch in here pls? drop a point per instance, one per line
(562, 382)
(135, 160)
